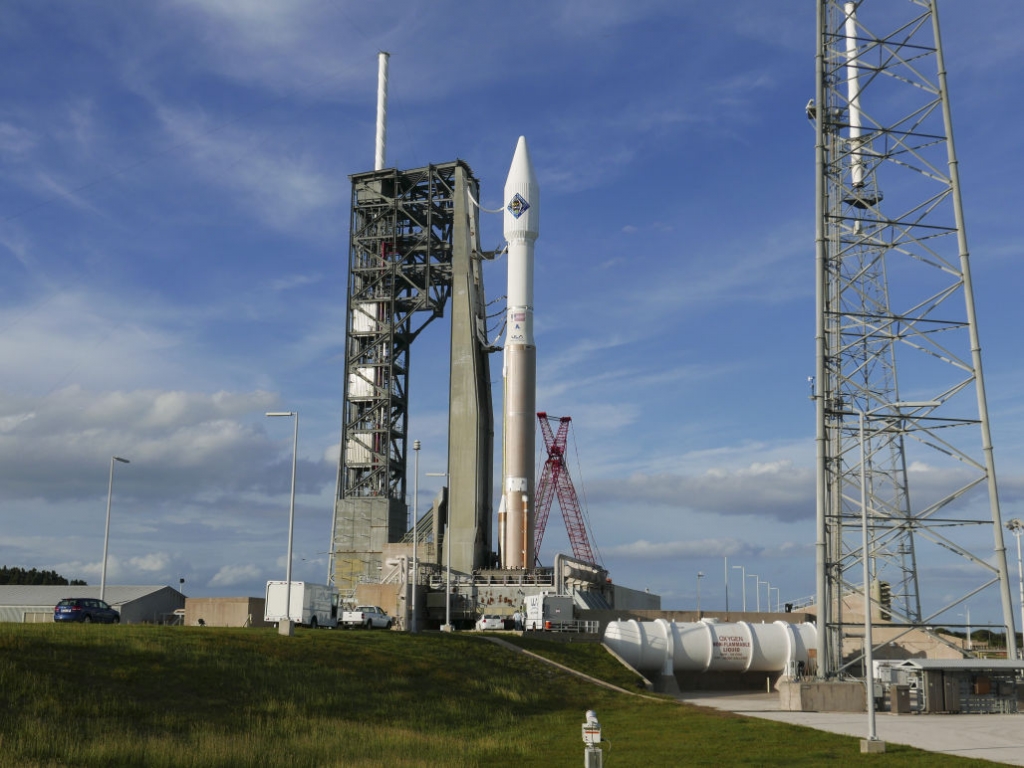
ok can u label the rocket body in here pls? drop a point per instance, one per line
(522, 226)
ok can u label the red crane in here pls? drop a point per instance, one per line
(554, 478)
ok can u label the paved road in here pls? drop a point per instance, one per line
(999, 738)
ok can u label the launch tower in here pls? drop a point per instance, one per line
(413, 247)
(903, 443)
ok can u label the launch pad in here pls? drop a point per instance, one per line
(414, 248)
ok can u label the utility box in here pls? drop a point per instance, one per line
(899, 699)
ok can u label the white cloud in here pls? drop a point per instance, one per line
(234, 575)
(779, 490)
(15, 140)
(280, 187)
(175, 441)
(153, 562)
(664, 550)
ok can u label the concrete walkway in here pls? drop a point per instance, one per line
(999, 738)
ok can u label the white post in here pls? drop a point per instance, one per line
(285, 627)
(448, 585)
(106, 529)
(757, 588)
(291, 510)
(700, 575)
(447, 610)
(726, 558)
(743, 573)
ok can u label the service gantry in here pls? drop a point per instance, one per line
(413, 246)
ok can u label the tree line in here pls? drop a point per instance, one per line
(35, 577)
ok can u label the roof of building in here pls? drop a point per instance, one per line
(28, 595)
(962, 664)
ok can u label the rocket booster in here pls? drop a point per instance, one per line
(522, 225)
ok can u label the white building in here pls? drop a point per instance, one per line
(137, 605)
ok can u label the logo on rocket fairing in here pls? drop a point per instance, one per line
(518, 206)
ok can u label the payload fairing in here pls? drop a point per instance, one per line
(522, 225)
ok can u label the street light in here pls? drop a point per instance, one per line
(869, 673)
(778, 598)
(106, 530)
(415, 525)
(757, 589)
(448, 584)
(726, 582)
(744, 577)
(285, 627)
(970, 641)
(700, 575)
(1016, 527)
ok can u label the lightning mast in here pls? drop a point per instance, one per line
(897, 345)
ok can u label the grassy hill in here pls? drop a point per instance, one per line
(183, 696)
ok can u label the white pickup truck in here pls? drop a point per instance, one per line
(366, 617)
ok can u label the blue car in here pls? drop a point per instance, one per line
(85, 610)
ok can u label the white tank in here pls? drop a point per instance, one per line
(666, 647)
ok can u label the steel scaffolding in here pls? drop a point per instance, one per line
(897, 344)
(400, 279)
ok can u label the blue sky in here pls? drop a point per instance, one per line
(173, 251)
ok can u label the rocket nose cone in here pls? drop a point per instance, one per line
(522, 195)
(522, 168)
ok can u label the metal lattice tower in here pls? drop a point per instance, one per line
(555, 479)
(412, 240)
(896, 340)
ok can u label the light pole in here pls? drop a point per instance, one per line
(744, 578)
(448, 581)
(415, 525)
(106, 530)
(700, 575)
(869, 672)
(778, 598)
(970, 643)
(448, 584)
(768, 594)
(1016, 527)
(726, 583)
(285, 627)
(757, 588)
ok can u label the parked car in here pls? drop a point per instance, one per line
(489, 621)
(85, 610)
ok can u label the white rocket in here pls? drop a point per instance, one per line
(522, 225)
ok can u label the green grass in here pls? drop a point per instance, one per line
(183, 696)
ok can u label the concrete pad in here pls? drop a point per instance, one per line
(872, 746)
(986, 737)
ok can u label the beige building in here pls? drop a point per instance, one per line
(225, 612)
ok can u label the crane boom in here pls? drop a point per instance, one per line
(555, 480)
